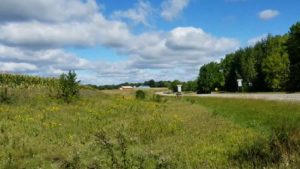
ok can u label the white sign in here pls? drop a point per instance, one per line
(179, 88)
(240, 82)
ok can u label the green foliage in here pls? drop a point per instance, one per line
(140, 95)
(248, 63)
(272, 64)
(173, 85)
(294, 56)
(229, 67)
(210, 77)
(190, 86)
(151, 83)
(263, 67)
(275, 65)
(68, 87)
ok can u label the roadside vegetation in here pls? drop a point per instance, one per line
(129, 129)
(277, 145)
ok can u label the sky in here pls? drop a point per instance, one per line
(116, 41)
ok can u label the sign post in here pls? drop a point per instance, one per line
(240, 84)
(179, 90)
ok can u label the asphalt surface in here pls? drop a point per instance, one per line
(264, 96)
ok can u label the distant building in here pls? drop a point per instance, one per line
(144, 87)
(126, 88)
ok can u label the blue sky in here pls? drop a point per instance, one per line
(230, 18)
(113, 41)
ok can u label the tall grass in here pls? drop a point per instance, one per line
(117, 130)
(278, 123)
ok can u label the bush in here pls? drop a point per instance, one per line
(68, 87)
(140, 95)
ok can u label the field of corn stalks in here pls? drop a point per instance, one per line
(25, 81)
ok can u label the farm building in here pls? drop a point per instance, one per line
(126, 88)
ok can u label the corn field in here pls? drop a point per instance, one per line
(25, 81)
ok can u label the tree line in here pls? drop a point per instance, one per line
(272, 64)
(172, 85)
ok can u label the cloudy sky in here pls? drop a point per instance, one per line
(114, 41)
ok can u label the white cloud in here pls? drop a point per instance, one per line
(16, 67)
(47, 10)
(139, 15)
(268, 14)
(177, 54)
(44, 35)
(16, 59)
(190, 38)
(36, 44)
(172, 8)
(253, 41)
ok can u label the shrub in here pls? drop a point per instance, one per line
(68, 87)
(140, 95)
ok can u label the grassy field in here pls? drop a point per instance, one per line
(112, 129)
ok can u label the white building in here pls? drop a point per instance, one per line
(126, 88)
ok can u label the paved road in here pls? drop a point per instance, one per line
(265, 96)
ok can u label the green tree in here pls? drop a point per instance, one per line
(229, 68)
(68, 87)
(210, 77)
(248, 65)
(259, 53)
(190, 86)
(293, 46)
(174, 84)
(151, 83)
(275, 65)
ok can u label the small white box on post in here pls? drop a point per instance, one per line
(240, 84)
(179, 90)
